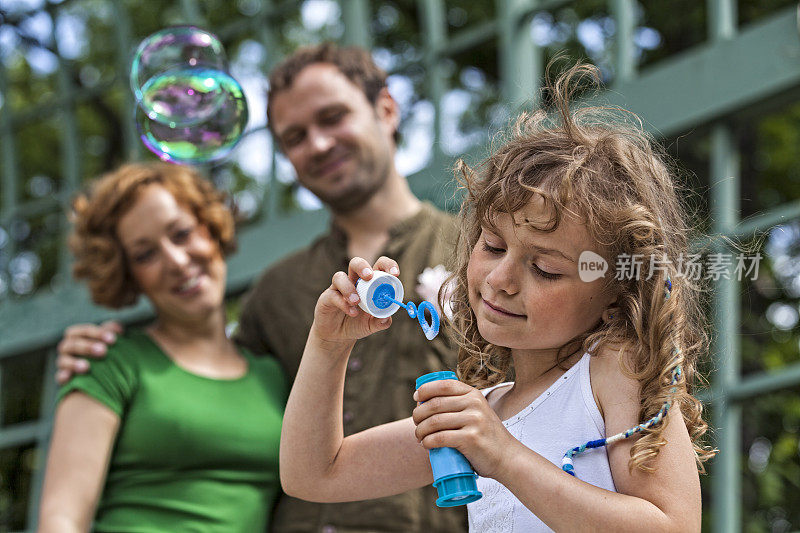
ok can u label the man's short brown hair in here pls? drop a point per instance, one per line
(354, 62)
(99, 256)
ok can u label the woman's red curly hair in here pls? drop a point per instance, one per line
(99, 256)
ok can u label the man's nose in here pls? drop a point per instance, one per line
(319, 140)
(504, 276)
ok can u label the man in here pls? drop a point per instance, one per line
(333, 117)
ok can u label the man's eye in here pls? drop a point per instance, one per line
(292, 139)
(332, 118)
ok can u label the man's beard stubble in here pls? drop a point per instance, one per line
(358, 194)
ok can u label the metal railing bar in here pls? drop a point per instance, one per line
(465, 39)
(20, 434)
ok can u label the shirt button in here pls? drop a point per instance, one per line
(354, 364)
(347, 417)
(328, 529)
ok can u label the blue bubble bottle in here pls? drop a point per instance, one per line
(453, 476)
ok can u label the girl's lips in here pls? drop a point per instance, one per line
(500, 311)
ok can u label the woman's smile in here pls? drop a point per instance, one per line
(190, 286)
(174, 259)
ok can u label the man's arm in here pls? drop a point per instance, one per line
(83, 437)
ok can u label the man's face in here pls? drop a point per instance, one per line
(339, 143)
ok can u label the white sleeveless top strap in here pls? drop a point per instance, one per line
(563, 416)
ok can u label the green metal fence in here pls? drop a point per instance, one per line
(734, 71)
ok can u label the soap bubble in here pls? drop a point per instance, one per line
(170, 49)
(189, 108)
(184, 96)
(206, 139)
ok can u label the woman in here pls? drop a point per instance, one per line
(176, 429)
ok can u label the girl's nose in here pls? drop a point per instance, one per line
(504, 276)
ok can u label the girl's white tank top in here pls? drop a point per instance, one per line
(563, 416)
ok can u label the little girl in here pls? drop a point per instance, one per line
(593, 353)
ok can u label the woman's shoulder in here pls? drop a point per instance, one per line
(113, 379)
(131, 338)
(132, 347)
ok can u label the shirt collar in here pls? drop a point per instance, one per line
(404, 227)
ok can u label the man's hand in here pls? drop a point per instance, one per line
(83, 340)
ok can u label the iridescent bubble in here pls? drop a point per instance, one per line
(174, 48)
(183, 96)
(204, 141)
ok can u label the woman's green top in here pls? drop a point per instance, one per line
(192, 453)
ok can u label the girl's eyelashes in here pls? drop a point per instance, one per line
(543, 274)
(536, 270)
(492, 249)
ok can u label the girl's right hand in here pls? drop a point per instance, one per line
(337, 317)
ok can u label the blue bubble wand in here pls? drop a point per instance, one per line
(384, 296)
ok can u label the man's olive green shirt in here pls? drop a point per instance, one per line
(381, 373)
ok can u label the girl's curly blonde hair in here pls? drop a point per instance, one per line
(597, 164)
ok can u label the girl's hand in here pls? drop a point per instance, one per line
(456, 415)
(337, 317)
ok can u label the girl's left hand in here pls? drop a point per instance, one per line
(456, 415)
